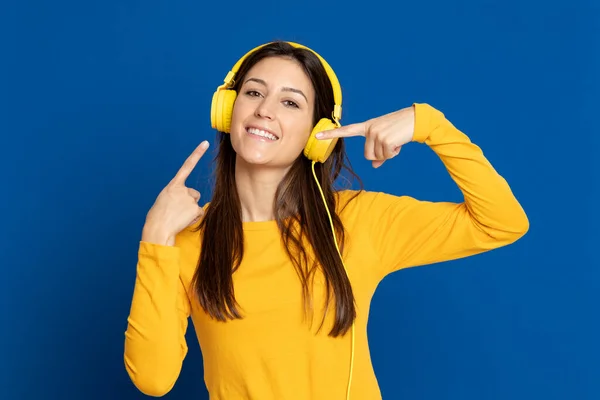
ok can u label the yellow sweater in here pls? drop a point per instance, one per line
(272, 354)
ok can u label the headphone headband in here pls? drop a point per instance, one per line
(337, 90)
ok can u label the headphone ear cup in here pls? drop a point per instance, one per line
(221, 110)
(319, 150)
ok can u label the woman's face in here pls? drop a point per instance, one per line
(273, 113)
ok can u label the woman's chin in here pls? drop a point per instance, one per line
(256, 153)
(252, 159)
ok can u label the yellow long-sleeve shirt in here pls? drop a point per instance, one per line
(273, 354)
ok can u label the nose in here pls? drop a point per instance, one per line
(264, 110)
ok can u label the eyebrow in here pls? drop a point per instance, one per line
(285, 89)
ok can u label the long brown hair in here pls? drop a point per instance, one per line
(299, 211)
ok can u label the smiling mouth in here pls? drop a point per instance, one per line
(262, 133)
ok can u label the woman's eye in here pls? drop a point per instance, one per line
(287, 103)
(290, 103)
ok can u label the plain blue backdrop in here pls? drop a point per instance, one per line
(101, 102)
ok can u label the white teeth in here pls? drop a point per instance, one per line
(259, 132)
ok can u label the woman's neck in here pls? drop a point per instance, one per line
(256, 186)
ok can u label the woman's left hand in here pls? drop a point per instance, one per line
(384, 135)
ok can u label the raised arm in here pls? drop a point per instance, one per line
(155, 338)
(407, 232)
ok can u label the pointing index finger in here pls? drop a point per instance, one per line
(357, 129)
(190, 163)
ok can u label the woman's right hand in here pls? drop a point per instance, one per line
(176, 207)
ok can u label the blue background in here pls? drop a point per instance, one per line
(101, 102)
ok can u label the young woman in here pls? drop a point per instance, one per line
(278, 302)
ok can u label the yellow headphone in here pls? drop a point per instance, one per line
(316, 150)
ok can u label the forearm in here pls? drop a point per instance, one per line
(155, 338)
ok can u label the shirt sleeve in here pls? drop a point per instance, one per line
(155, 344)
(407, 232)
